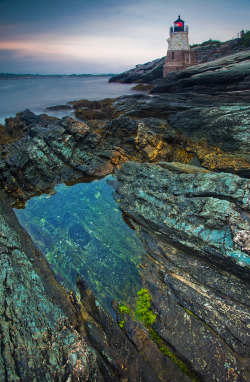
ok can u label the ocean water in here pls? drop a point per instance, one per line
(38, 93)
(81, 230)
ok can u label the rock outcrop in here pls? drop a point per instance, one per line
(195, 227)
(181, 155)
(141, 73)
(206, 52)
(230, 73)
(45, 333)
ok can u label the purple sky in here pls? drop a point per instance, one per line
(105, 36)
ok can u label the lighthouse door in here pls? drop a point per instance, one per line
(187, 58)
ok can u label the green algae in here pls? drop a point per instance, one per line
(145, 315)
(143, 311)
(121, 323)
(123, 309)
(81, 230)
(170, 354)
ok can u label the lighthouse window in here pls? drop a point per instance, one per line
(172, 55)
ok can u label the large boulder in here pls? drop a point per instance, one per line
(195, 227)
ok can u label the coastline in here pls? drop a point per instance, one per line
(181, 157)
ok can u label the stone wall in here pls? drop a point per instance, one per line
(178, 59)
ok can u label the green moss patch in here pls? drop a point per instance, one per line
(123, 309)
(143, 311)
(167, 352)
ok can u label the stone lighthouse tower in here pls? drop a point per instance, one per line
(179, 55)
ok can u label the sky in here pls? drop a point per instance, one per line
(105, 36)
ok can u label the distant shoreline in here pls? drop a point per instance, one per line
(11, 76)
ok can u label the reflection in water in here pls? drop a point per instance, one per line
(81, 230)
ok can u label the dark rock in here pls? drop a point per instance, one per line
(141, 73)
(94, 110)
(192, 221)
(86, 115)
(113, 345)
(203, 211)
(45, 156)
(140, 337)
(197, 268)
(226, 73)
(143, 87)
(38, 320)
(153, 70)
(45, 334)
(58, 108)
(212, 50)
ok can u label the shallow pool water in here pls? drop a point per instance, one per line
(80, 229)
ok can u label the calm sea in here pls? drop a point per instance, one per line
(37, 94)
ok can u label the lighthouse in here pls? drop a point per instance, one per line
(179, 55)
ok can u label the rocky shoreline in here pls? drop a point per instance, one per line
(206, 52)
(181, 157)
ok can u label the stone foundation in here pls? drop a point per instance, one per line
(178, 59)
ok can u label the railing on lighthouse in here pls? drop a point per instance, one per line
(171, 29)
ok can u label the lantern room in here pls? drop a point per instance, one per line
(179, 25)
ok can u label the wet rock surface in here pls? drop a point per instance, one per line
(181, 155)
(204, 213)
(45, 333)
(196, 269)
(38, 319)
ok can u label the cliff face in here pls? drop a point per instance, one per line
(181, 156)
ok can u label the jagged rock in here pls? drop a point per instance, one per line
(50, 152)
(201, 212)
(112, 343)
(90, 114)
(225, 74)
(213, 129)
(38, 320)
(140, 337)
(45, 334)
(213, 50)
(196, 267)
(40, 152)
(58, 108)
(141, 73)
(193, 223)
(153, 70)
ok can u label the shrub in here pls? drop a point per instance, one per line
(245, 39)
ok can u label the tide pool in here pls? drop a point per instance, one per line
(80, 229)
